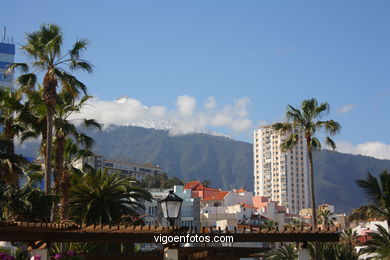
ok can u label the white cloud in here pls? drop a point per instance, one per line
(185, 105)
(374, 149)
(346, 108)
(210, 103)
(185, 118)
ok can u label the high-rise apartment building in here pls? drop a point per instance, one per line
(281, 175)
(7, 54)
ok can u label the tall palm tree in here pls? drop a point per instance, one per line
(103, 198)
(63, 130)
(325, 218)
(378, 191)
(305, 120)
(45, 48)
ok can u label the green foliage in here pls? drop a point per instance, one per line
(287, 252)
(28, 203)
(270, 224)
(334, 251)
(103, 198)
(161, 181)
(379, 243)
(378, 192)
(349, 238)
(77, 247)
(324, 217)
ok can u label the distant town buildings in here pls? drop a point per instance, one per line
(138, 171)
(281, 175)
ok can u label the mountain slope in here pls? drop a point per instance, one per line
(228, 163)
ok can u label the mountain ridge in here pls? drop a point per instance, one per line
(228, 163)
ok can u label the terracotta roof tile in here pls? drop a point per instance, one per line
(218, 196)
(192, 184)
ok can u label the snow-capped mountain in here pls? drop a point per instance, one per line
(175, 127)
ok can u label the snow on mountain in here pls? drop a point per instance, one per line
(165, 125)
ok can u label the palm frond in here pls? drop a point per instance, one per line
(315, 143)
(27, 81)
(330, 142)
(78, 47)
(22, 67)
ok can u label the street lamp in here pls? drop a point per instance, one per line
(171, 206)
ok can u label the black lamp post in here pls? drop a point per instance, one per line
(171, 206)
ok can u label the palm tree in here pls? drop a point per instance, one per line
(325, 218)
(334, 251)
(363, 213)
(103, 198)
(287, 252)
(304, 121)
(270, 224)
(10, 108)
(349, 238)
(378, 191)
(379, 243)
(28, 203)
(45, 48)
(63, 130)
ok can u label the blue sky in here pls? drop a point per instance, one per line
(264, 54)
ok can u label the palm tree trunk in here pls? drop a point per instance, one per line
(312, 191)
(65, 185)
(59, 160)
(313, 197)
(49, 133)
(10, 148)
(50, 99)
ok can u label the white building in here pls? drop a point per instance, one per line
(233, 206)
(138, 171)
(281, 175)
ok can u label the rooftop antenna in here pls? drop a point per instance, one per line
(5, 33)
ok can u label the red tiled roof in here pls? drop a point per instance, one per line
(197, 185)
(192, 184)
(218, 196)
(247, 206)
(240, 190)
(207, 188)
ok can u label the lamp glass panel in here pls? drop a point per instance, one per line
(164, 209)
(173, 208)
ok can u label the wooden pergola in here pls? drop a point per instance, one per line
(49, 232)
(41, 234)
